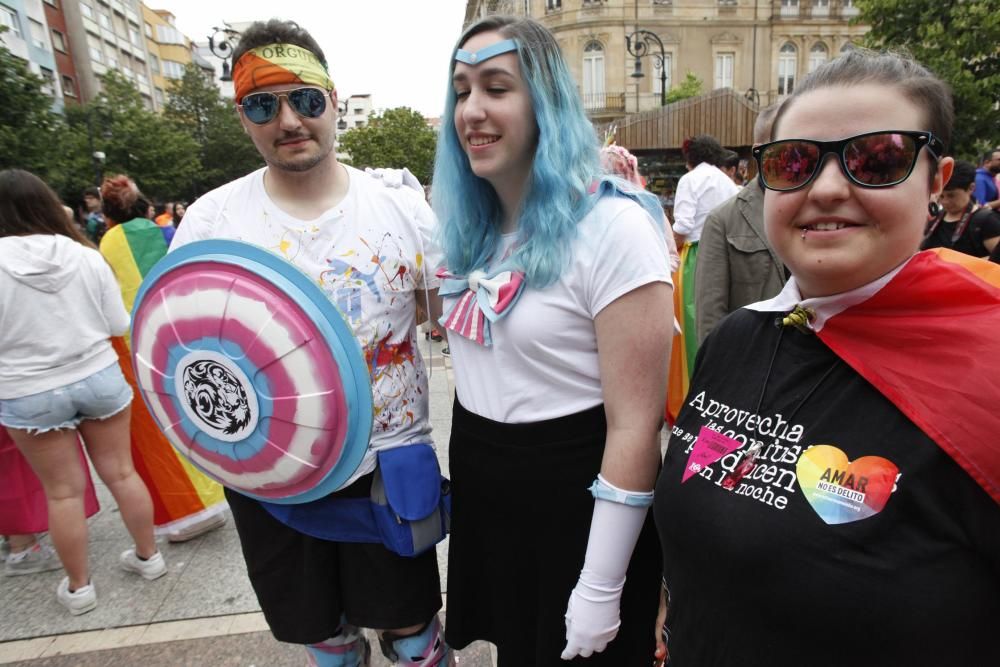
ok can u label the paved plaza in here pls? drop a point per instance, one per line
(203, 612)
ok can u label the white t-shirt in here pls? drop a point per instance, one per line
(698, 192)
(543, 362)
(369, 254)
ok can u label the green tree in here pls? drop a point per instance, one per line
(225, 152)
(958, 40)
(27, 122)
(689, 87)
(162, 158)
(395, 138)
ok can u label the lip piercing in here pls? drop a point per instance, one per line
(804, 231)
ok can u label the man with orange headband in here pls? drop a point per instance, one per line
(369, 248)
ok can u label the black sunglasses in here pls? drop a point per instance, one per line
(870, 160)
(262, 108)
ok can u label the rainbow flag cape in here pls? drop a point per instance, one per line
(925, 336)
(685, 347)
(928, 341)
(181, 494)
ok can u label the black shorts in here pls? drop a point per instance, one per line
(305, 584)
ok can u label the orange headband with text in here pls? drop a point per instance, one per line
(278, 64)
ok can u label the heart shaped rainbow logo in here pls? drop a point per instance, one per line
(842, 491)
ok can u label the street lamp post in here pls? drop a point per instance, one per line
(220, 43)
(638, 44)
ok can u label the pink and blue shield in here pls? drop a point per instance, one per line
(251, 372)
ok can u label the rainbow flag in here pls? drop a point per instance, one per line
(927, 340)
(181, 494)
(685, 346)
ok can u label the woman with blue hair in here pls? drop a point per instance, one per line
(557, 296)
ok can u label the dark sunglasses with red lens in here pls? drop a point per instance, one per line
(870, 160)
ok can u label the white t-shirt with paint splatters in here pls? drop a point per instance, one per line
(369, 254)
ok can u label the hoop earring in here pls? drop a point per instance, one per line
(934, 209)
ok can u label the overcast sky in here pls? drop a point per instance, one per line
(396, 50)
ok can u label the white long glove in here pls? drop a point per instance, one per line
(395, 178)
(592, 616)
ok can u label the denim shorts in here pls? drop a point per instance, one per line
(99, 396)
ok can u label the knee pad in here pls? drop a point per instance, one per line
(347, 648)
(425, 648)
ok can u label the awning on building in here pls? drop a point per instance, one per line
(724, 114)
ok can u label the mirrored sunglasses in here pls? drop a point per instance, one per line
(262, 108)
(870, 160)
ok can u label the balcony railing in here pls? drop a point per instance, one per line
(604, 103)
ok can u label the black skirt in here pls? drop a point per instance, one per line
(520, 525)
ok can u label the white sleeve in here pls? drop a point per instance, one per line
(430, 251)
(631, 253)
(111, 300)
(685, 206)
(198, 223)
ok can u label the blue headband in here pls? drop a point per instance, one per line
(485, 53)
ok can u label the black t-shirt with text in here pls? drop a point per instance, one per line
(854, 541)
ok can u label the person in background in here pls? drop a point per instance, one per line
(730, 166)
(59, 376)
(93, 219)
(985, 191)
(178, 211)
(736, 263)
(186, 503)
(620, 162)
(163, 214)
(836, 465)
(557, 294)
(962, 224)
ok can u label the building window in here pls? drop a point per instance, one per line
(87, 11)
(663, 3)
(818, 55)
(158, 96)
(69, 88)
(789, 7)
(94, 47)
(38, 39)
(848, 8)
(154, 64)
(112, 59)
(9, 19)
(59, 41)
(166, 34)
(724, 67)
(173, 70)
(553, 5)
(821, 7)
(52, 3)
(149, 31)
(49, 79)
(727, 3)
(135, 37)
(105, 21)
(593, 76)
(787, 64)
(668, 60)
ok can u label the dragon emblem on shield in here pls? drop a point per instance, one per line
(216, 396)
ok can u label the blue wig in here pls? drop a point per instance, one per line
(564, 167)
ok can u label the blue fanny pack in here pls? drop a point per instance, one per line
(408, 511)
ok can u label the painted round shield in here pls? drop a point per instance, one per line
(251, 372)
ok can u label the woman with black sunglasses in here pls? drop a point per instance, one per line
(830, 491)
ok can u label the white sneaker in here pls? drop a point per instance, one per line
(39, 558)
(78, 602)
(196, 529)
(153, 568)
